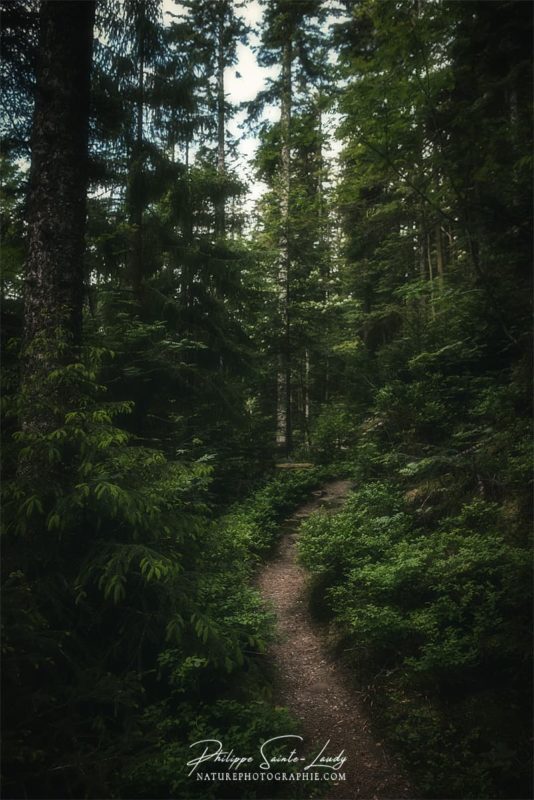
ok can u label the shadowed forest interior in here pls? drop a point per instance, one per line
(197, 336)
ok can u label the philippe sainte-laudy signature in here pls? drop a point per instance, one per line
(213, 752)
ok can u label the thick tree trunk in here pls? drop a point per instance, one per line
(57, 198)
(220, 214)
(284, 424)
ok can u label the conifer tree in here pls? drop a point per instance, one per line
(54, 275)
(286, 40)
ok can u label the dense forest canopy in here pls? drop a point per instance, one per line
(167, 341)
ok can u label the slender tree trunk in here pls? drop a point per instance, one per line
(451, 247)
(324, 258)
(440, 261)
(421, 242)
(136, 255)
(220, 221)
(57, 201)
(438, 235)
(430, 276)
(284, 424)
(307, 397)
(187, 227)
(320, 168)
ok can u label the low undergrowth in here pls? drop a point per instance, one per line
(428, 596)
(226, 698)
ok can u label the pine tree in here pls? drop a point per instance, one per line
(286, 39)
(57, 198)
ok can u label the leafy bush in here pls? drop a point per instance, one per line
(239, 726)
(442, 615)
(332, 431)
(255, 522)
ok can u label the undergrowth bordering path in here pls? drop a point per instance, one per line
(308, 680)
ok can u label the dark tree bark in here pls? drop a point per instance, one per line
(284, 433)
(58, 179)
(135, 190)
(220, 221)
(58, 189)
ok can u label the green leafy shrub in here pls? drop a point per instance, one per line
(442, 616)
(241, 726)
(255, 522)
(333, 430)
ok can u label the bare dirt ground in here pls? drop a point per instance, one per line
(311, 684)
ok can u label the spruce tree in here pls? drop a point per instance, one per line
(54, 276)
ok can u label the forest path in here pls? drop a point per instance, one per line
(308, 680)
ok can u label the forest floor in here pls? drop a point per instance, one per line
(311, 683)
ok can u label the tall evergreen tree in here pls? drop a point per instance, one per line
(216, 29)
(54, 273)
(286, 39)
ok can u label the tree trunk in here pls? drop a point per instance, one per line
(421, 242)
(284, 424)
(430, 276)
(57, 200)
(135, 200)
(307, 397)
(439, 256)
(220, 221)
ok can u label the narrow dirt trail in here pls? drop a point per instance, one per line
(311, 684)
